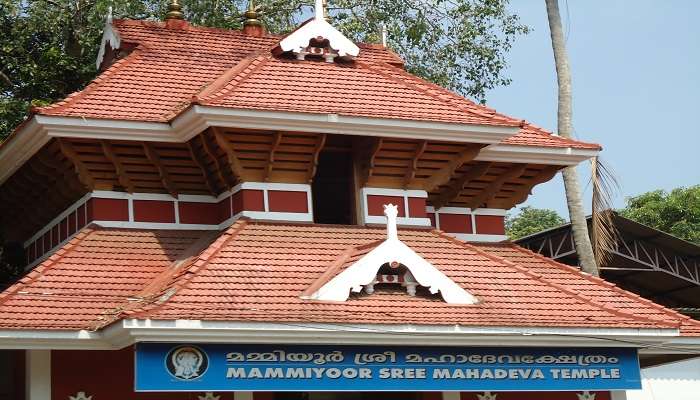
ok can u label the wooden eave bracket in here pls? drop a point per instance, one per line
(444, 175)
(393, 252)
(234, 162)
(84, 174)
(451, 191)
(153, 157)
(320, 142)
(122, 175)
(490, 191)
(525, 190)
(213, 190)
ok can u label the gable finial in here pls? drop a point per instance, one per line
(174, 11)
(391, 212)
(320, 9)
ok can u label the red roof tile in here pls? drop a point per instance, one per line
(257, 271)
(168, 67)
(91, 277)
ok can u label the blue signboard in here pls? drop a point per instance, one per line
(221, 367)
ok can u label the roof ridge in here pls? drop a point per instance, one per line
(557, 286)
(330, 271)
(155, 289)
(243, 69)
(117, 22)
(537, 130)
(94, 84)
(602, 281)
(438, 92)
(197, 264)
(46, 265)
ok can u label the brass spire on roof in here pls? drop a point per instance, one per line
(251, 15)
(174, 11)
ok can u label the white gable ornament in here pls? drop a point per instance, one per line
(109, 36)
(318, 37)
(363, 273)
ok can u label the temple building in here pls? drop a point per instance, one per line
(232, 214)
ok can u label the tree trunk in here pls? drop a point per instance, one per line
(574, 200)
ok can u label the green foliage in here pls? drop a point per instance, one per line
(48, 47)
(531, 220)
(677, 212)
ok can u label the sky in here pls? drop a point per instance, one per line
(636, 89)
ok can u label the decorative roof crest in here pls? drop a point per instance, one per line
(363, 273)
(318, 37)
(109, 35)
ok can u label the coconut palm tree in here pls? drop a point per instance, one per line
(564, 127)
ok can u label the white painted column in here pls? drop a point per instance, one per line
(618, 395)
(243, 395)
(38, 374)
(450, 395)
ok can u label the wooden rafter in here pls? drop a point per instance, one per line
(154, 158)
(320, 142)
(122, 175)
(202, 167)
(525, 190)
(209, 149)
(367, 160)
(83, 172)
(50, 176)
(69, 175)
(411, 172)
(444, 175)
(234, 162)
(276, 140)
(492, 189)
(452, 190)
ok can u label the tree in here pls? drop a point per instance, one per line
(48, 47)
(531, 220)
(677, 212)
(565, 127)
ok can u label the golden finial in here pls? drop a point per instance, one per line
(325, 11)
(251, 15)
(174, 11)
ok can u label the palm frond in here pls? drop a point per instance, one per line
(603, 232)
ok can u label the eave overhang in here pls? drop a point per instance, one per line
(195, 119)
(37, 131)
(128, 332)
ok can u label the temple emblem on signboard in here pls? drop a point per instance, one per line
(187, 362)
(209, 396)
(391, 262)
(487, 396)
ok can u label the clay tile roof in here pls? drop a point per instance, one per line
(96, 274)
(167, 67)
(257, 271)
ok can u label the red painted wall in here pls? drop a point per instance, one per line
(375, 204)
(490, 225)
(154, 211)
(201, 213)
(416, 207)
(456, 223)
(284, 201)
(105, 375)
(108, 209)
(249, 200)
